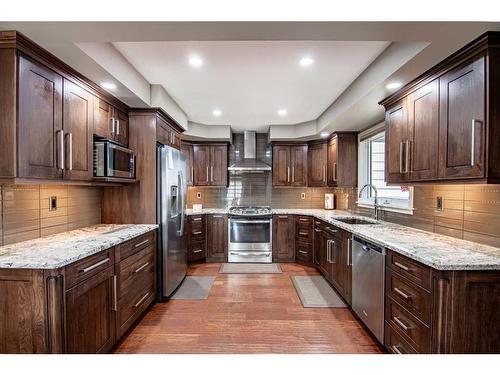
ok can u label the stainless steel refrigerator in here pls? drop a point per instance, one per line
(171, 214)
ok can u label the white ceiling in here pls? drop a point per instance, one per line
(250, 80)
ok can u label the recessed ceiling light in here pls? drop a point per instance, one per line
(394, 85)
(195, 61)
(216, 112)
(306, 61)
(325, 134)
(282, 112)
(108, 86)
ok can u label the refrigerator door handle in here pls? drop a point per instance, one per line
(181, 202)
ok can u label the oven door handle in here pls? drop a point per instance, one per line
(250, 221)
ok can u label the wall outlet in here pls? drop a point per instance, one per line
(198, 195)
(53, 203)
(439, 203)
(302, 195)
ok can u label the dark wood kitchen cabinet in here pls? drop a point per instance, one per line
(317, 163)
(283, 238)
(217, 239)
(187, 151)
(210, 165)
(342, 159)
(197, 235)
(110, 122)
(167, 130)
(40, 126)
(90, 312)
(444, 125)
(78, 122)
(290, 165)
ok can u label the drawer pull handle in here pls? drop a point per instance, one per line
(401, 293)
(303, 233)
(95, 265)
(141, 243)
(198, 232)
(283, 217)
(141, 267)
(115, 293)
(217, 216)
(197, 251)
(142, 300)
(306, 220)
(303, 252)
(317, 230)
(402, 266)
(400, 323)
(395, 348)
(197, 219)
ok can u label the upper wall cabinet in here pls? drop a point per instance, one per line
(317, 160)
(342, 159)
(48, 113)
(187, 151)
(209, 165)
(445, 125)
(290, 165)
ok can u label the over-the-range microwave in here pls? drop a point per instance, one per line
(113, 160)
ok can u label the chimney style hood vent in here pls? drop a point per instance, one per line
(249, 163)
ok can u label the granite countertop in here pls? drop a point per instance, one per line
(64, 248)
(435, 250)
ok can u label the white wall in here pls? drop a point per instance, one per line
(160, 98)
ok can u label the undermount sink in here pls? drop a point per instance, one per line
(354, 220)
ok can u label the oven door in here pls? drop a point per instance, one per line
(120, 161)
(250, 234)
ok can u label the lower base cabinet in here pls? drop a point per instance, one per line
(283, 238)
(85, 307)
(216, 238)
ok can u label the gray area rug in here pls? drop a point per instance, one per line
(250, 268)
(194, 288)
(314, 291)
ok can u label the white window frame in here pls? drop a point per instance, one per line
(385, 204)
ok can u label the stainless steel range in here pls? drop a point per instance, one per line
(250, 235)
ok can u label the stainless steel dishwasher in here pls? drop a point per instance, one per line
(368, 281)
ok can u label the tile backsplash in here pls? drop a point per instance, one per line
(25, 213)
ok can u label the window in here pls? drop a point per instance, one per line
(371, 171)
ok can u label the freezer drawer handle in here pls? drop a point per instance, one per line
(95, 265)
(250, 254)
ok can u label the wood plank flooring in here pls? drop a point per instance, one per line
(248, 314)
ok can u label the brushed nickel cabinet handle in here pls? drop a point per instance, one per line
(95, 265)
(197, 251)
(117, 127)
(317, 230)
(141, 267)
(197, 232)
(142, 300)
(349, 241)
(408, 157)
(197, 219)
(401, 266)
(293, 174)
(401, 157)
(61, 149)
(212, 173)
(395, 348)
(473, 143)
(207, 175)
(70, 136)
(192, 174)
(400, 323)
(303, 233)
(218, 216)
(324, 173)
(335, 171)
(141, 243)
(112, 119)
(401, 293)
(283, 217)
(302, 219)
(303, 252)
(115, 293)
(287, 174)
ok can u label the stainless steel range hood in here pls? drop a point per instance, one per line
(249, 163)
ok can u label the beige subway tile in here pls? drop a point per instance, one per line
(60, 191)
(53, 221)
(448, 231)
(449, 223)
(491, 195)
(482, 238)
(19, 227)
(21, 192)
(53, 230)
(9, 239)
(20, 205)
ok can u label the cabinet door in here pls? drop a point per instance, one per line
(334, 260)
(40, 121)
(121, 127)
(103, 119)
(283, 238)
(217, 238)
(78, 122)
(218, 165)
(90, 315)
(317, 244)
(423, 132)
(462, 122)
(281, 165)
(201, 164)
(395, 144)
(298, 161)
(187, 151)
(332, 158)
(317, 155)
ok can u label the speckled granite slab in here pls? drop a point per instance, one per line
(207, 211)
(435, 250)
(64, 248)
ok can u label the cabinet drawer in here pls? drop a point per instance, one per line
(408, 326)
(196, 232)
(132, 306)
(195, 219)
(88, 267)
(303, 252)
(412, 297)
(395, 343)
(138, 269)
(134, 245)
(306, 220)
(304, 232)
(196, 251)
(413, 270)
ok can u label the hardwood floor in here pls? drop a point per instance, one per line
(248, 314)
